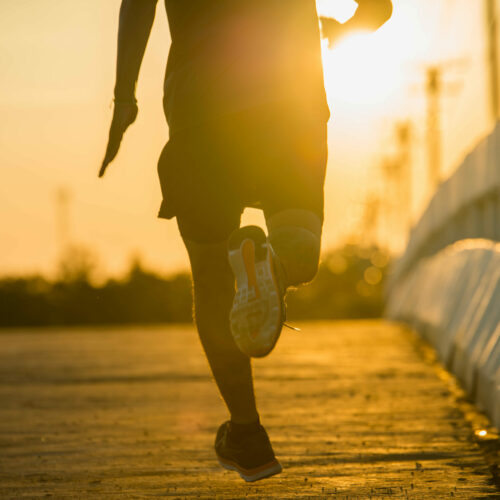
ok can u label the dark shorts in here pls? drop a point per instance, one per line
(271, 158)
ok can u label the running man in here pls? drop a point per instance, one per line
(245, 103)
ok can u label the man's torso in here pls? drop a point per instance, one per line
(230, 55)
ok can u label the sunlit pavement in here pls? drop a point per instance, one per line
(353, 410)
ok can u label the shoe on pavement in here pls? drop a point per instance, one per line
(251, 456)
(258, 311)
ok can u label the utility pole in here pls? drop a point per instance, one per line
(433, 92)
(491, 31)
(404, 139)
(396, 200)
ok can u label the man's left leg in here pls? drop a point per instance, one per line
(213, 297)
(242, 443)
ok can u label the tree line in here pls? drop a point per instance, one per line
(349, 284)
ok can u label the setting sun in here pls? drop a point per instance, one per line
(341, 10)
(359, 73)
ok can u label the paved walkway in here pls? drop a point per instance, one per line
(353, 409)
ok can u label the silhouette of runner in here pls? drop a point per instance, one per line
(245, 103)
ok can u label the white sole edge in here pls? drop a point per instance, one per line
(275, 469)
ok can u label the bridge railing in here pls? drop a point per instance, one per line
(467, 205)
(447, 283)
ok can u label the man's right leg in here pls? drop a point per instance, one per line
(264, 268)
(295, 235)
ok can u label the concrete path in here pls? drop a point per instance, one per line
(353, 409)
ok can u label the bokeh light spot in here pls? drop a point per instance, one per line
(373, 275)
(379, 259)
(337, 263)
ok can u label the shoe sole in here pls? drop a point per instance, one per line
(257, 314)
(250, 475)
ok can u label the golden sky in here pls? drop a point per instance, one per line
(57, 59)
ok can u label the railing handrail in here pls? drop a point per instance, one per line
(466, 205)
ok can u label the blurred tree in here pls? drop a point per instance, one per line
(349, 284)
(77, 264)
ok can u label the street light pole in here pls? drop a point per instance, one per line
(433, 91)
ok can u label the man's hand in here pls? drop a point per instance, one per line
(124, 115)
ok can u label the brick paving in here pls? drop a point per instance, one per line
(353, 409)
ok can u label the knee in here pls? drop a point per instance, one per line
(302, 269)
(307, 270)
(298, 250)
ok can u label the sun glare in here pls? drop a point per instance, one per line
(341, 10)
(364, 70)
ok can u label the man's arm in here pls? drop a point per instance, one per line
(370, 15)
(136, 20)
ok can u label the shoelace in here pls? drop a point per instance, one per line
(281, 273)
(294, 328)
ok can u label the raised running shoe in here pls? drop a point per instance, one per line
(258, 310)
(251, 456)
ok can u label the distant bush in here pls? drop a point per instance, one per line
(349, 284)
(141, 297)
